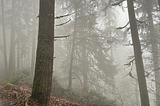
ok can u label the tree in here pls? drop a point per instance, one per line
(12, 43)
(154, 46)
(44, 57)
(33, 40)
(4, 39)
(138, 55)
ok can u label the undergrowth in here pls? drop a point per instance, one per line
(91, 98)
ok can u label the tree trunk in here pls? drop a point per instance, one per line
(138, 55)
(12, 43)
(72, 51)
(33, 40)
(136, 94)
(85, 71)
(4, 39)
(155, 52)
(44, 58)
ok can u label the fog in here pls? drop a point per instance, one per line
(92, 44)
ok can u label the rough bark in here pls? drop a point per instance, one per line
(138, 55)
(4, 39)
(12, 43)
(44, 58)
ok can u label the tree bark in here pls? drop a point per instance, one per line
(138, 55)
(45, 49)
(4, 39)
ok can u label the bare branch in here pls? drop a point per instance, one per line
(117, 3)
(64, 23)
(58, 17)
(123, 26)
(61, 36)
(129, 64)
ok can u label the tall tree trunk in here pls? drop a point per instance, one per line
(85, 71)
(136, 94)
(138, 55)
(18, 38)
(72, 51)
(45, 49)
(33, 40)
(4, 39)
(154, 42)
(12, 43)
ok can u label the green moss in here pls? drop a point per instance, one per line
(7, 86)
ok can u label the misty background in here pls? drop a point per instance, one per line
(96, 47)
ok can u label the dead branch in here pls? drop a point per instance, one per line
(61, 36)
(58, 17)
(64, 23)
(117, 3)
(129, 64)
(123, 26)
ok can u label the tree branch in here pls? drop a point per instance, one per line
(61, 36)
(117, 3)
(64, 23)
(58, 17)
(123, 26)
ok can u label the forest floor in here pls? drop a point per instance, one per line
(13, 95)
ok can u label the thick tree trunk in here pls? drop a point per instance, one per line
(44, 59)
(72, 51)
(154, 42)
(12, 43)
(4, 39)
(138, 55)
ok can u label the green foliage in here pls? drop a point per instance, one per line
(21, 77)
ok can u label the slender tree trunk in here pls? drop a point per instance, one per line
(33, 40)
(12, 43)
(18, 39)
(72, 51)
(45, 49)
(85, 71)
(154, 42)
(136, 94)
(4, 39)
(138, 55)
